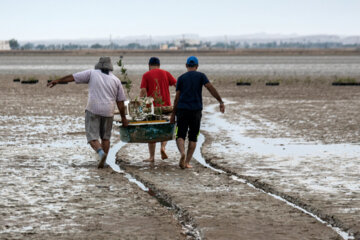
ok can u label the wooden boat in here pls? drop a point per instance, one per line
(147, 131)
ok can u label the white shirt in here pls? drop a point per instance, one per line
(104, 91)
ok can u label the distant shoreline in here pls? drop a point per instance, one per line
(238, 52)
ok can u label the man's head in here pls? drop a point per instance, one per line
(154, 62)
(104, 64)
(192, 63)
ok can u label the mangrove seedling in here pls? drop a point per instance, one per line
(124, 76)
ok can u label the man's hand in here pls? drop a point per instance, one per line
(216, 95)
(222, 107)
(143, 93)
(172, 118)
(125, 122)
(52, 83)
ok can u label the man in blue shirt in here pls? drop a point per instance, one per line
(188, 107)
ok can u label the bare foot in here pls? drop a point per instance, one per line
(182, 162)
(163, 154)
(188, 166)
(150, 160)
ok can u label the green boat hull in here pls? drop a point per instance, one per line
(147, 133)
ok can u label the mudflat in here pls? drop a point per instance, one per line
(297, 141)
(50, 185)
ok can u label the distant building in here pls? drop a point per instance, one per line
(164, 47)
(188, 44)
(4, 45)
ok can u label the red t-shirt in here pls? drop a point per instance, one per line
(161, 80)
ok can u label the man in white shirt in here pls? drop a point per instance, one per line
(105, 92)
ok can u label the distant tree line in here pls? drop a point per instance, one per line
(322, 45)
(14, 44)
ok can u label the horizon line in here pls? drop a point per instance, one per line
(192, 35)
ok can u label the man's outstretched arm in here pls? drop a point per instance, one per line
(68, 78)
(216, 95)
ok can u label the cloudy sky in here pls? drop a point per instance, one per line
(75, 19)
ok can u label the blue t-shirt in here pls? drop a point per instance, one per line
(190, 86)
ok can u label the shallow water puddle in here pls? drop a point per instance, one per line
(111, 161)
(283, 147)
(112, 157)
(284, 155)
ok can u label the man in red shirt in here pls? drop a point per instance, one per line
(156, 82)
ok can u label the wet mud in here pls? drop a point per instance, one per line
(50, 187)
(221, 207)
(311, 162)
(298, 143)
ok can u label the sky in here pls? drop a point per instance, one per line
(89, 19)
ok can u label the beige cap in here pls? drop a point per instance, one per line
(104, 63)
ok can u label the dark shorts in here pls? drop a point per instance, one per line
(97, 126)
(188, 122)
